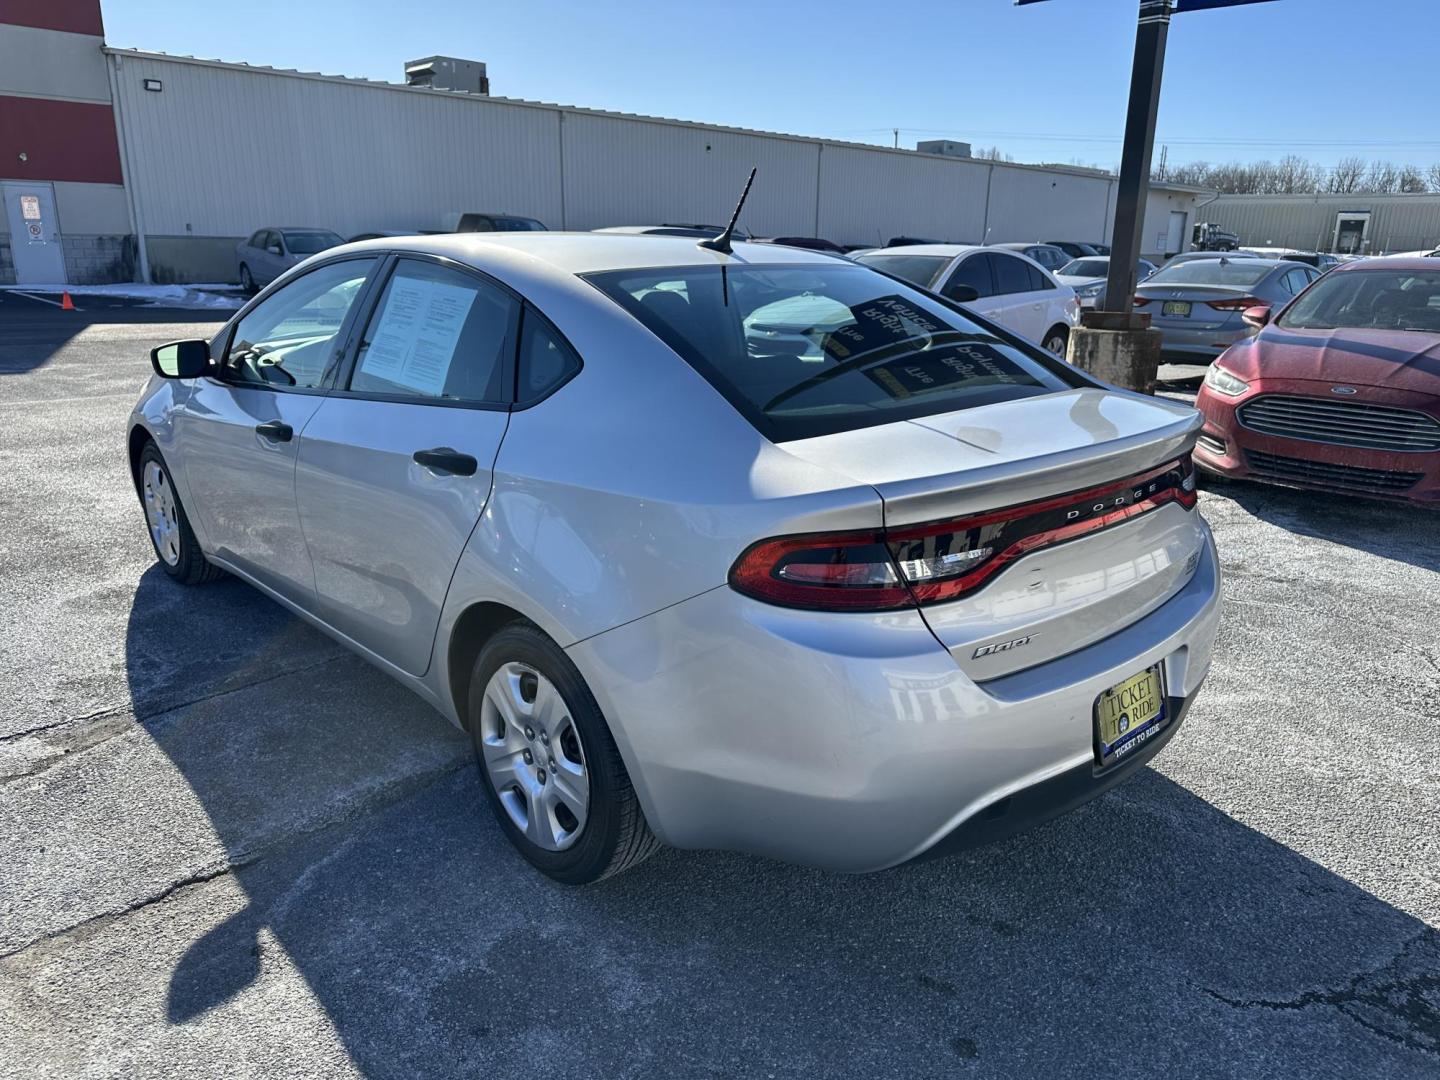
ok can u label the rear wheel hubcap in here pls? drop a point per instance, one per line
(523, 721)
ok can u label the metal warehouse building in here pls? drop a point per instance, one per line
(178, 158)
(1345, 224)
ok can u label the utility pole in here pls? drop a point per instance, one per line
(897, 137)
(1133, 192)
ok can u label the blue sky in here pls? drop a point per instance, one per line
(1322, 78)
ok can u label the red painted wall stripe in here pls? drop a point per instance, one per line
(72, 16)
(61, 140)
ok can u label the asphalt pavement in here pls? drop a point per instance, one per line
(229, 848)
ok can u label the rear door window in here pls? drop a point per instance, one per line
(1012, 275)
(438, 335)
(805, 351)
(974, 271)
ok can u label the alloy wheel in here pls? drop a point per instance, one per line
(533, 756)
(1055, 343)
(161, 512)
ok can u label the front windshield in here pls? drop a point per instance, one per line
(309, 242)
(1085, 268)
(920, 270)
(1210, 272)
(1369, 300)
(805, 351)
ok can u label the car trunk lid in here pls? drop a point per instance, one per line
(1085, 464)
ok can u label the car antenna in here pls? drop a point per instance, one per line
(721, 243)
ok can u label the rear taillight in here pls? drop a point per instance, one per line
(1235, 305)
(839, 571)
(1141, 301)
(943, 560)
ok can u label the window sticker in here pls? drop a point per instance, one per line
(417, 333)
(30, 207)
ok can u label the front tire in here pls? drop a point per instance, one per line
(176, 548)
(548, 763)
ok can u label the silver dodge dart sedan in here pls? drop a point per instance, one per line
(760, 549)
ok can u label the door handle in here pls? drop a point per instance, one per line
(275, 431)
(444, 460)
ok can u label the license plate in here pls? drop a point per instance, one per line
(1129, 715)
(1175, 307)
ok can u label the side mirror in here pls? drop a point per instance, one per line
(1256, 316)
(963, 294)
(274, 249)
(181, 359)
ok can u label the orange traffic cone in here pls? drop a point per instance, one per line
(66, 304)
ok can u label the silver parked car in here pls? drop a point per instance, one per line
(1049, 256)
(267, 253)
(1088, 277)
(1197, 304)
(759, 550)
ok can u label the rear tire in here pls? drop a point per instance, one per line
(247, 281)
(176, 549)
(540, 741)
(1056, 339)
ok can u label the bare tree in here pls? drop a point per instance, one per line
(1412, 180)
(1295, 175)
(1433, 176)
(991, 153)
(1347, 176)
(1382, 177)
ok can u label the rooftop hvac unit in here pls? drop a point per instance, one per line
(448, 73)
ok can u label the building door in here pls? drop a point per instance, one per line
(1350, 229)
(34, 234)
(1175, 236)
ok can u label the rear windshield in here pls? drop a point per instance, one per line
(920, 269)
(1369, 300)
(1210, 272)
(308, 243)
(805, 351)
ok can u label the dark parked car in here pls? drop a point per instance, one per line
(473, 222)
(810, 243)
(267, 253)
(1049, 256)
(909, 241)
(385, 233)
(1076, 250)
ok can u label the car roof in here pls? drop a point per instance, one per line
(573, 253)
(1028, 244)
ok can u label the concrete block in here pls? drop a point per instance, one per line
(1129, 358)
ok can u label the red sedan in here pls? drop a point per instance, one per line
(1340, 391)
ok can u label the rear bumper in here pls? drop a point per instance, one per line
(1187, 344)
(1228, 448)
(854, 742)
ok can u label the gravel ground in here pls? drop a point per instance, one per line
(229, 848)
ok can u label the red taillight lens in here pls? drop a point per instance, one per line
(840, 571)
(1141, 301)
(943, 560)
(1234, 305)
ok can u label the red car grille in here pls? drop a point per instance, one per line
(1341, 423)
(1296, 471)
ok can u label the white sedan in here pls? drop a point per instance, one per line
(1004, 286)
(1087, 277)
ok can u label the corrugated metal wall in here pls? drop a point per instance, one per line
(224, 149)
(220, 152)
(1397, 222)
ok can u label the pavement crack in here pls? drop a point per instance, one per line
(366, 804)
(87, 734)
(104, 918)
(1399, 1001)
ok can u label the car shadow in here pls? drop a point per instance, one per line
(34, 331)
(1392, 530)
(1148, 932)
